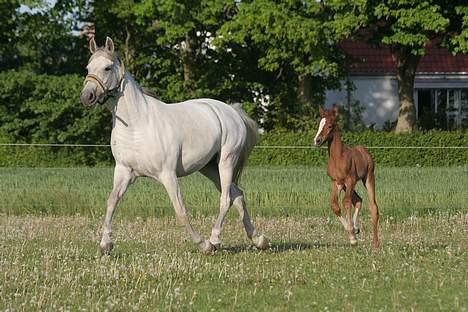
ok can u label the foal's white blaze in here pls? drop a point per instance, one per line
(321, 125)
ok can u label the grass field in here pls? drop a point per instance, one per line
(49, 230)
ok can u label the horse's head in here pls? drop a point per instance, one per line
(105, 73)
(327, 126)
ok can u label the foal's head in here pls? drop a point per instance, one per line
(105, 73)
(327, 126)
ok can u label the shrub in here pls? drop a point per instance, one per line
(46, 109)
(387, 157)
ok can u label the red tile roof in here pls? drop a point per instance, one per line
(378, 60)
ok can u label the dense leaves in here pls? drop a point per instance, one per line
(46, 109)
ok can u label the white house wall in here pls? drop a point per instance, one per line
(377, 94)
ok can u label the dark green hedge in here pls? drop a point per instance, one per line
(385, 157)
(101, 156)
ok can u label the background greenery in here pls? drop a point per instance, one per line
(284, 53)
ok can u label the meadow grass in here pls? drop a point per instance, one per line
(270, 192)
(50, 264)
(49, 231)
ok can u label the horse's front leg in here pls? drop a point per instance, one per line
(335, 206)
(170, 182)
(122, 178)
(347, 203)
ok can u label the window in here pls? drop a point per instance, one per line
(442, 108)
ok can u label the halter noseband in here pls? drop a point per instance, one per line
(106, 91)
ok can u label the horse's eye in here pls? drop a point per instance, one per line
(107, 68)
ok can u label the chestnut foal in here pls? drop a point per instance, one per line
(346, 166)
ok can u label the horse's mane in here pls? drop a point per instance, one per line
(149, 93)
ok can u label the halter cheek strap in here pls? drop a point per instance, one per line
(97, 81)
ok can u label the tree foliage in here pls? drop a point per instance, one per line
(277, 57)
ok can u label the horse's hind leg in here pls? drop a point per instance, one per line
(225, 169)
(357, 202)
(259, 240)
(237, 199)
(374, 209)
(122, 179)
(169, 180)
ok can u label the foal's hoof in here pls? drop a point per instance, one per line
(353, 242)
(207, 248)
(261, 242)
(105, 249)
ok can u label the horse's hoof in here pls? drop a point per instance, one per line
(207, 248)
(105, 249)
(261, 242)
(353, 242)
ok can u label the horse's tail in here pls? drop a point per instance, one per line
(250, 141)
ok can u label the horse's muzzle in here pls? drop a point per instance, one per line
(88, 97)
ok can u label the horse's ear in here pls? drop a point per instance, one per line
(109, 44)
(92, 45)
(335, 110)
(321, 112)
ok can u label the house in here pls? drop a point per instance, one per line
(440, 88)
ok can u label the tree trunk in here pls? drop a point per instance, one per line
(406, 71)
(188, 58)
(305, 90)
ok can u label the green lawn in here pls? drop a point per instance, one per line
(49, 231)
(271, 192)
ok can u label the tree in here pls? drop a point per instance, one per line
(8, 34)
(294, 52)
(406, 27)
(168, 44)
(39, 36)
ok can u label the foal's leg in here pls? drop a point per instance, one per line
(169, 180)
(122, 178)
(347, 203)
(357, 202)
(374, 209)
(335, 206)
(237, 199)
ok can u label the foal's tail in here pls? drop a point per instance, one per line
(250, 141)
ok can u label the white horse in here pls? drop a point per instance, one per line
(152, 139)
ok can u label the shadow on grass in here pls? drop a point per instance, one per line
(278, 247)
